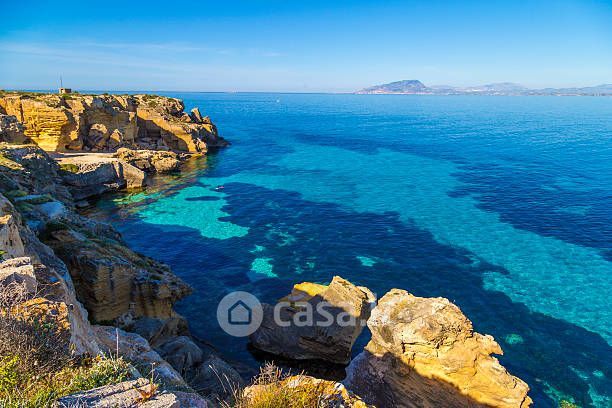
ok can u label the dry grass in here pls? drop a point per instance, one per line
(36, 363)
(36, 340)
(272, 389)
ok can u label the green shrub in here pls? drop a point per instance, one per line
(9, 377)
(69, 167)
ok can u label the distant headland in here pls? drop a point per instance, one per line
(416, 87)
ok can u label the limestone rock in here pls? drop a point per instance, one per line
(162, 118)
(114, 282)
(11, 244)
(332, 342)
(107, 122)
(182, 353)
(137, 350)
(11, 130)
(158, 331)
(19, 271)
(196, 116)
(34, 264)
(150, 160)
(93, 175)
(425, 353)
(202, 368)
(126, 395)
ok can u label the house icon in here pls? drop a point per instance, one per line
(240, 314)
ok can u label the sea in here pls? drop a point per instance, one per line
(503, 205)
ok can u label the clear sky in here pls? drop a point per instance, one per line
(302, 46)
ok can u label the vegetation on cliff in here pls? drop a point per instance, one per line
(37, 364)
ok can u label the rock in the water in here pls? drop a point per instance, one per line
(339, 312)
(425, 353)
(126, 395)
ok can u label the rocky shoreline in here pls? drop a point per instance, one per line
(58, 152)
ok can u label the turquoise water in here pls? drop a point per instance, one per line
(501, 204)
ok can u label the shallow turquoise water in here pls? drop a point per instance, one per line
(503, 205)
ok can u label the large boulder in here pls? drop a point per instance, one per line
(425, 353)
(201, 367)
(138, 393)
(338, 313)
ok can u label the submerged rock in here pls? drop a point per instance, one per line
(338, 313)
(425, 353)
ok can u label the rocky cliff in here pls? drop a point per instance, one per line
(425, 353)
(107, 122)
(78, 273)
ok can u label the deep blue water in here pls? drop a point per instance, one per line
(501, 204)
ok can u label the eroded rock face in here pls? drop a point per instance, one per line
(425, 353)
(73, 257)
(114, 282)
(107, 122)
(336, 304)
(30, 263)
(127, 395)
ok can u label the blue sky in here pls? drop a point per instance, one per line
(302, 46)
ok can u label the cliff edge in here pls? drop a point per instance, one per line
(96, 123)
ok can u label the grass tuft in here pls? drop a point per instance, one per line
(37, 365)
(270, 389)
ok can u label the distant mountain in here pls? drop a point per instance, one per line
(501, 87)
(408, 86)
(415, 87)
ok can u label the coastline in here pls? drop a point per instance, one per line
(98, 266)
